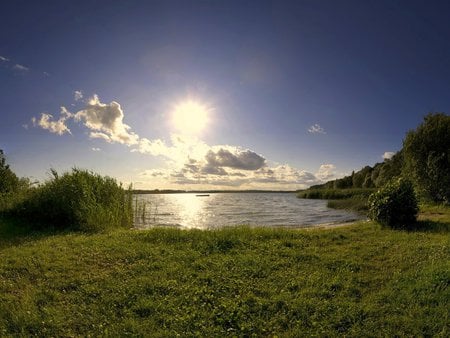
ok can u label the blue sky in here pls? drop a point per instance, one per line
(290, 93)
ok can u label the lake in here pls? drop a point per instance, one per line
(217, 210)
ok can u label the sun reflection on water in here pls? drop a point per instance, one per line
(191, 209)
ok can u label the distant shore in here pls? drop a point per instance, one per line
(171, 191)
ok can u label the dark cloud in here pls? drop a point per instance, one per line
(241, 159)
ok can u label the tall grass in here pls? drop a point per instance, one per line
(356, 203)
(335, 194)
(81, 200)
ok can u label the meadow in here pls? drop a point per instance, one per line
(357, 280)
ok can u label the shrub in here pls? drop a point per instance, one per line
(80, 200)
(394, 205)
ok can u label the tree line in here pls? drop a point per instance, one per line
(424, 159)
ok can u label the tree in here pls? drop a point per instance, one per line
(426, 153)
(360, 176)
(389, 169)
(9, 182)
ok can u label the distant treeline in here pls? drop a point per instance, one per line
(424, 160)
(368, 177)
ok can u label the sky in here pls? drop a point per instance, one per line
(217, 94)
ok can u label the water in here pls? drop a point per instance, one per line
(227, 209)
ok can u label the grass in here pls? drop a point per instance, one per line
(335, 194)
(358, 280)
(357, 203)
(79, 200)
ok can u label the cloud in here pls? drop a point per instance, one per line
(188, 160)
(235, 158)
(77, 95)
(47, 122)
(106, 121)
(21, 68)
(316, 129)
(3, 59)
(326, 172)
(388, 155)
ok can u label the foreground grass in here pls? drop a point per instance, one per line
(358, 280)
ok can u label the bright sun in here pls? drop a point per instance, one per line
(190, 117)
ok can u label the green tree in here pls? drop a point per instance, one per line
(389, 169)
(360, 176)
(426, 153)
(9, 182)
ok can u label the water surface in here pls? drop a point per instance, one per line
(227, 209)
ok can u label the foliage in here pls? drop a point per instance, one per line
(394, 205)
(427, 157)
(80, 200)
(367, 177)
(230, 282)
(9, 182)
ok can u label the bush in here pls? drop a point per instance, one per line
(394, 205)
(79, 200)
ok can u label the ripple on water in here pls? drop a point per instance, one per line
(228, 209)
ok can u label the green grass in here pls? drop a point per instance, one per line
(357, 203)
(358, 280)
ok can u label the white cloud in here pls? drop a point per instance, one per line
(21, 68)
(47, 122)
(2, 58)
(106, 119)
(388, 155)
(326, 172)
(77, 95)
(316, 129)
(188, 160)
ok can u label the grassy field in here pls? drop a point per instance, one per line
(357, 280)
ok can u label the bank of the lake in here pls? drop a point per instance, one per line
(354, 280)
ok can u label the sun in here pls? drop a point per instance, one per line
(190, 117)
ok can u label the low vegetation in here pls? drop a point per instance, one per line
(347, 281)
(356, 203)
(79, 200)
(394, 205)
(335, 194)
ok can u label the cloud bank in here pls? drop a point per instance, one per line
(190, 162)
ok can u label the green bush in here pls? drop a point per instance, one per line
(394, 205)
(79, 200)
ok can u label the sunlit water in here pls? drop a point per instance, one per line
(228, 209)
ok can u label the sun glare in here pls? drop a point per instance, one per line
(190, 117)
